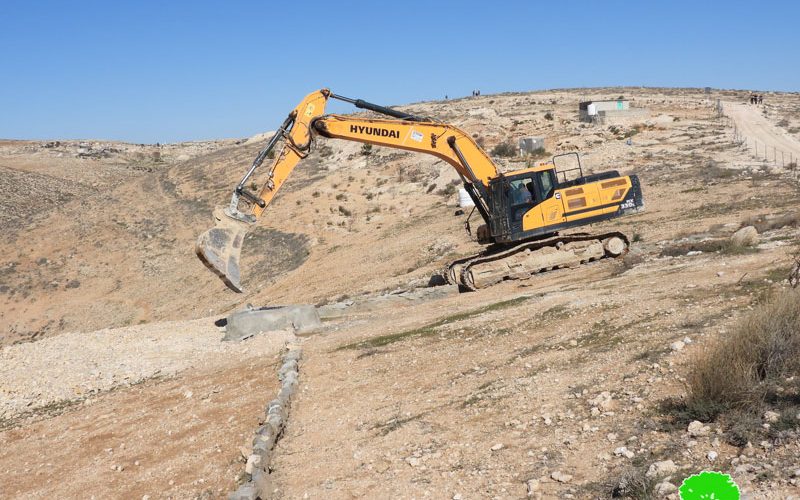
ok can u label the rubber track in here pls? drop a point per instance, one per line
(493, 255)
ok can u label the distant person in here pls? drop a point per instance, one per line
(760, 99)
(445, 97)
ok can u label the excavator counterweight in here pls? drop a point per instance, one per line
(523, 210)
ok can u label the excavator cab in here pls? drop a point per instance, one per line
(538, 202)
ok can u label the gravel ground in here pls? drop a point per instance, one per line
(75, 365)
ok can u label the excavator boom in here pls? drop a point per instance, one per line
(220, 247)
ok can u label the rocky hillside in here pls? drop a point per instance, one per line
(565, 384)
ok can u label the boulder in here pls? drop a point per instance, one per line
(745, 237)
(698, 429)
(661, 469)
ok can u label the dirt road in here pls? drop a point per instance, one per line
(755, 127)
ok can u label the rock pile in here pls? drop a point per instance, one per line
(277, 412)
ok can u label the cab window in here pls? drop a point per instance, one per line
(546, 184)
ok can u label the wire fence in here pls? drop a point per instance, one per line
(761, 150)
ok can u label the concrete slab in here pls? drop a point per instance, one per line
(245, 324)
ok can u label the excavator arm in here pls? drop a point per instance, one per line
(219, 248)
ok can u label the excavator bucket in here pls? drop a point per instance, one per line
(220, 246)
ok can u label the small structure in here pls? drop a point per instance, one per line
(464, 199)
(529, 145)
(609, 110)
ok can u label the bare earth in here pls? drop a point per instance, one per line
(552, 386)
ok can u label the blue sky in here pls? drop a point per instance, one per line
(179, 70)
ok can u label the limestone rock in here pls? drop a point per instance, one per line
(560, 477)
(533, 485)
(665, 488)
(623, 451)
(745, 237)
(697, 429)
(661, 469)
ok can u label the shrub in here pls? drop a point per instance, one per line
(548, 116)
(504, 149)
(449, 189)
(634, 483)
(366, 149)
(344, 211)
(746, 367)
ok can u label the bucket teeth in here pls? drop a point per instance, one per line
(219, 249)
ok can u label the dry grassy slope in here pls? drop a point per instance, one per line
(117, 249)
(91, 258)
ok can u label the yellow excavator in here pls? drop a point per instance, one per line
(523, 211)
